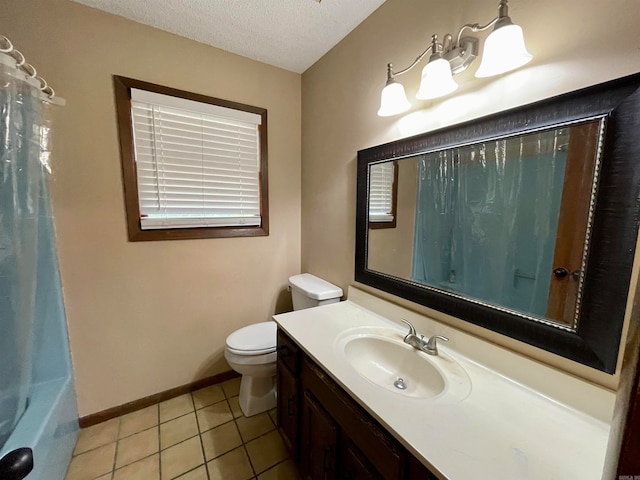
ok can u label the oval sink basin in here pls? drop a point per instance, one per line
(394, 366)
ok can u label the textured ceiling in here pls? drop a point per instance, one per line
(291, 34)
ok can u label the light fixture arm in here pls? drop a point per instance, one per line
(503, 13)
(476, 27)
(405, 70)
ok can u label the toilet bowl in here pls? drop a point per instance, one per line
(251, 350)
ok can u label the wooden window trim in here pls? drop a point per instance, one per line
(122, 90)
(394, 204)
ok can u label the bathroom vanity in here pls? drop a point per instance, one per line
(459, 417)
(329, 434)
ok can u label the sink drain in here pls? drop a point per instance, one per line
(399, 384)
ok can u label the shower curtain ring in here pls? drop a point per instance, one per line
(26, 67)
(49, 91)
(17, 54)
(7, 42)
(43, 83)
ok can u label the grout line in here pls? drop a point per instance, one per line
(276, 464)
(259, 436)
(136, 461)
(246, 452)
(212, 428)
(159, 442)
(192, 470)
(204, 456)
(244, 444)
(139, 431)
(115, 454)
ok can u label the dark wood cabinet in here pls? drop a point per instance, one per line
(319, 448)
(330, 435)
(288, 406)
(354, 465)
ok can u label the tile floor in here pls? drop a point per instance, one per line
(197, 436)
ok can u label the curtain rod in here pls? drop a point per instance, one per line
(12, 57)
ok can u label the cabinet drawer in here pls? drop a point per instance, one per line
(386, 455)
(288, 353)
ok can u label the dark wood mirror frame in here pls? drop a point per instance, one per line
(596, 340)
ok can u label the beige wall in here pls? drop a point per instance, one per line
(574, 44)
(148, 316)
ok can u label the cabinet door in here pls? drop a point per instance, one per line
(319, 441)
(354, 466)
(288, 408)
(417, 471)
(384, 453)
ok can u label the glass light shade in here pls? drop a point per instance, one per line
(437, 80)
(393, 100)
(504, 50)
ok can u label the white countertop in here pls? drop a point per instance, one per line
(501, 431)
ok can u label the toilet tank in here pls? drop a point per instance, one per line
(310, 291)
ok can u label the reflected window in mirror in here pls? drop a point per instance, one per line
(383, 193)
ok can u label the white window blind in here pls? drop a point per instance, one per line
(381, 192)
(198, 165)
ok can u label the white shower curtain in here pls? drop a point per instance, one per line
(24, 162)
(487, 218)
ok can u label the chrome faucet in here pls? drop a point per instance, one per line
(429, 346)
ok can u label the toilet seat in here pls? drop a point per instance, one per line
(255, 339)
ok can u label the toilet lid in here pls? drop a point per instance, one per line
(253, 339)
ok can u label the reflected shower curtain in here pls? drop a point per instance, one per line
(24, 161)
(486, 220)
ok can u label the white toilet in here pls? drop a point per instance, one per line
(251, 350)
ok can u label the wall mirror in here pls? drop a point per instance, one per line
(523, 222)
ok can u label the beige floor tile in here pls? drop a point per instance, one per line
(231, 387)
(234, 465)
(137, 446)
(92, 464)
(220, 440)
(207, 396)
(177, 430)
(266, 451)
(253, 427)
(146, 469)
(135, 422)
(274, 416)
(283, 471)
(176, 407)
(181, 458)
(97, 435)
(199, 473)
(214, 415)
(108, 476)
(235, 407)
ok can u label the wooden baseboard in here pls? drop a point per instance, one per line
(114, 412)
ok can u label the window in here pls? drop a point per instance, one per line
(383, 181)
(193, 166)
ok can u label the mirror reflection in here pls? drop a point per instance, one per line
(502, 222)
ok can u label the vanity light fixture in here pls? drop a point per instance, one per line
(504, 50)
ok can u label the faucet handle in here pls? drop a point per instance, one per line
(432, 344)
(412, 330)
